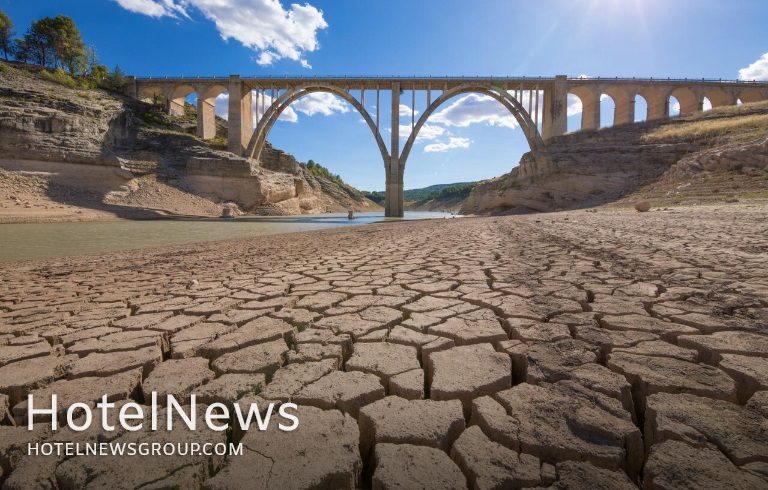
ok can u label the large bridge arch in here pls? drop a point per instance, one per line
(280, 104)
(514, 106)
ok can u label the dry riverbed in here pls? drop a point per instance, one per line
(566, 350)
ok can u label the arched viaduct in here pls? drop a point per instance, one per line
(538, 104)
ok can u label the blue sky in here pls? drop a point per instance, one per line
(470, 139)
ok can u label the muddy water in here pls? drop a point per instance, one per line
(39, 240)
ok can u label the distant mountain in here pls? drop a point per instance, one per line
(458, 190)
(432, 191)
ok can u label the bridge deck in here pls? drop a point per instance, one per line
(441, 83)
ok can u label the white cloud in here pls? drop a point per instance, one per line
(427, 132)
(452, 143)
(430, 132)
(320, 103)
(147, 7)
(473, 109)
(756, 71)
(262, 25)
(574, 105)
(674, 110)
(221, 108)
(707, 105)
(405, 110)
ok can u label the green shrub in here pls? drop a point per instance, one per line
(58, 76)
(320, 171)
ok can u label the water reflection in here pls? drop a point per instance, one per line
(38, 240)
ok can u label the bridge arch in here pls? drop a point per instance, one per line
(689, 101)
(149, 92)
(751, 95)
(589, 96)
(624, 105)
(657, 103)
(719, 97)
(175, 98)
(206, 109)
(505, 98)
(281, 103)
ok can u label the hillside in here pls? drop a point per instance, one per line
(441, 197)
(438, 197)
(716, 156)
(79, 154)
(430, 192)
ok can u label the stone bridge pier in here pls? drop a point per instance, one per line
(540, 106)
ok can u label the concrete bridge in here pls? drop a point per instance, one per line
(538, 104)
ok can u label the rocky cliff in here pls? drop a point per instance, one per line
(719, 154)
(51, 124)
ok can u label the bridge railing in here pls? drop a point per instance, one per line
(460, 78)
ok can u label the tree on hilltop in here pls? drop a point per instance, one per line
(6, 35)
(21, 50)
(56, 42)
(115, 81)
(68, 45)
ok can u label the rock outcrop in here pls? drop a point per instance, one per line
(705, 156)
(45, 122)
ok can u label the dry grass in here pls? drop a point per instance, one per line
(736, 129)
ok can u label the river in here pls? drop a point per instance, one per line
(27, 241)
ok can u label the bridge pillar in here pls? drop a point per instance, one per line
(555, 117)
(624, 112)
(696, 105)
(174, 107)
(240, 120)
(393, 203)
(206, 117)
(658, 105)
(590, 115)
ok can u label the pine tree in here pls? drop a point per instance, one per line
(6, 35)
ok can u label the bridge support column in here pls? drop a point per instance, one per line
(624, 112)
(696, 104)
(555, 117)
(240, 120)
(658, 106)
(393, 204)
(174, 107)
(206, 117)
(590, 116)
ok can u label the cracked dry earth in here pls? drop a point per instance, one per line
(571, 350)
